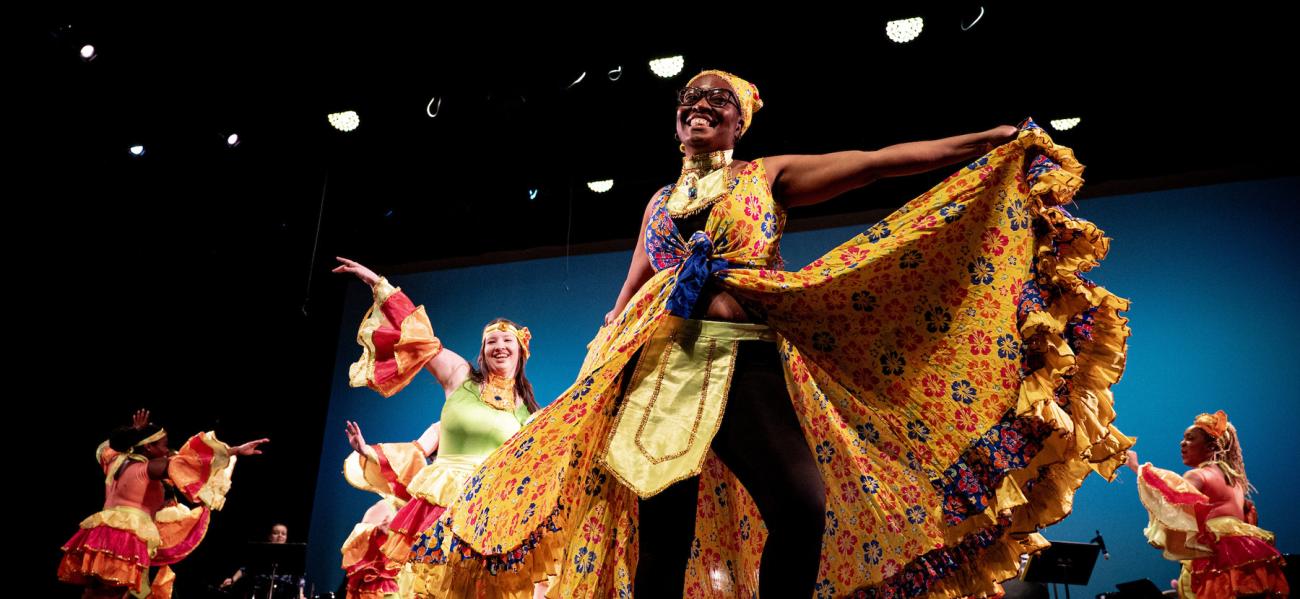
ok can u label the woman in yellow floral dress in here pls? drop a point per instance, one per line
(915, 403)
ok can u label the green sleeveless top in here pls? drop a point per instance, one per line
(471, 427)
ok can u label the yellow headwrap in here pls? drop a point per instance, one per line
(746, 92)
(151, 438)
(1213, 424)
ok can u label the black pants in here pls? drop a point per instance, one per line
(761, 442)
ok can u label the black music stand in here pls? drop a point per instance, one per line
(276, 559)
(1062, 563)
(1138, 589)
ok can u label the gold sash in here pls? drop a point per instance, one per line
(674, 402)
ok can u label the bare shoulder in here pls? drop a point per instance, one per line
(1207, 474)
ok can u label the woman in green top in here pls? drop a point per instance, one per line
(485, 405)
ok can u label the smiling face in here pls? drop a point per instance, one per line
(708, 116)
(500, 353)
(279, 534)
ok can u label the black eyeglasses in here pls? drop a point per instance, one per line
(716, 96)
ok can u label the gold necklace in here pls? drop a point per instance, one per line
(498, 392)
(702, 183)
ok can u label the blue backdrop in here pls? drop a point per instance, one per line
(1209, 271)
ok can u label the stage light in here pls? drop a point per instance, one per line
(904, 30)
(345, 121)
(667, 67)
(1064, 124)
